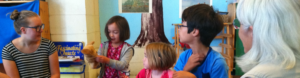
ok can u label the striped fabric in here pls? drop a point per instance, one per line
(34, 64)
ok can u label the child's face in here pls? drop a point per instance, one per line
(114, 33)
(145, 61)
(184, 36)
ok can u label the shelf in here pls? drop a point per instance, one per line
(222, 35)
(225, 45)
(226, 24)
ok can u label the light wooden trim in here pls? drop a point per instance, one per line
(222, 35)
(227, 24)
(44, 14)
(225, 35)
(231, 8)
(223, 23)
(176, 24)
(225, 45)
(218, 37)
(14, 1)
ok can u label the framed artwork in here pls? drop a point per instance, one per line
(183, 4)
(135, 6)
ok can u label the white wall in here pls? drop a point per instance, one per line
(75, 20)
(136, 63)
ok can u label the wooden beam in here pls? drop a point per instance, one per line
(14, 1)
(176, 24)
(225, 45)
(227, 24)
(44, 14)
(223, 35)
(218, 37)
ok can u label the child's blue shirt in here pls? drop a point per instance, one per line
(213, 66)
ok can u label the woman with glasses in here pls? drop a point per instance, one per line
(271, 38)
(30, 55)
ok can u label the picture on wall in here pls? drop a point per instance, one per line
(135, 6)
(183, 4)
(152, 29)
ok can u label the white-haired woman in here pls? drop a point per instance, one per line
(270, 33)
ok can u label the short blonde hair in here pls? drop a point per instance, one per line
(161, 56)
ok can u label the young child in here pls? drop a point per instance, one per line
(200, 25)
(114, 55)
(159, 58)
(30, 56)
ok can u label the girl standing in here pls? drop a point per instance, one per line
(114, 55)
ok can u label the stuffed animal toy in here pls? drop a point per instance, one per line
(90, 53)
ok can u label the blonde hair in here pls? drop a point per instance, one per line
(276, 25)
(161, 56)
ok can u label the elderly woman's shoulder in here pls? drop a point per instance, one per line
(270, 71)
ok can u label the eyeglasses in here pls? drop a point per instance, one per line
(179, 26)
(38, 28)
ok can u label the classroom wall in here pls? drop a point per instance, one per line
(109, 8)
(75, 21)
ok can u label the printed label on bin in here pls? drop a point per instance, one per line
(69, 50)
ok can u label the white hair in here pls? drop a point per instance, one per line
(276, 32)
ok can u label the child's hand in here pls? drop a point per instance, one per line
(194, 60)
(102, 59)
(183, 74)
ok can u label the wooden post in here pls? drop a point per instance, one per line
(44, 14)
